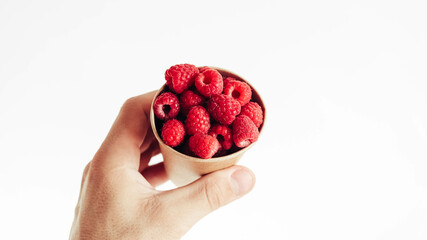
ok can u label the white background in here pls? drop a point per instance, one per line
(343, 154)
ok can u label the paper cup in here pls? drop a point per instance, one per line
(183, 169)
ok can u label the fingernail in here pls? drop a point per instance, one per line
(241, 182)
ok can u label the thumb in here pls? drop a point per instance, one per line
(188, 204)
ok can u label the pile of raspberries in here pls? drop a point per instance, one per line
(201, 114)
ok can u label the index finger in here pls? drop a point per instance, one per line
(128, 133)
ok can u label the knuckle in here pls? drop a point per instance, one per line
(134, 104)
(154, 207)
(96, 174)
(214, 194)
(86, 170)
(85, 173)
(129, 103)
(77, 209)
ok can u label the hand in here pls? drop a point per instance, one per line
(118, 199)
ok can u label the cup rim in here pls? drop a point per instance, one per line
(214, 159)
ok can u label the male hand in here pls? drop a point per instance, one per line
(118, 199)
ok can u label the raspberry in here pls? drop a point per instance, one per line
(204, 146)
(223, 134)
(227, 80)
(223, 108)
(166, 106)
(209, 82)
(180, 77)
(238, 90)
(173, 132)
(189, 99)
(254, 111)
(244, 131)
(202, 69)
(197, 121)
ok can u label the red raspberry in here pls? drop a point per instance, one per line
(202, 69)
(254, 111)
(228, 79)
(238, 90)
(223, 108)
(166, 106)
(188, 100)
(244, 131)
(173, 132)
(204, 146)
(223, 134)
(197, 121)
(209, 82)
(180, 77)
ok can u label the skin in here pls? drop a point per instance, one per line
(118, 198)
